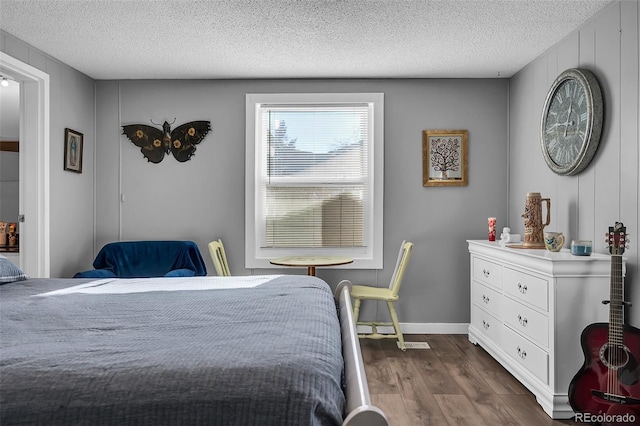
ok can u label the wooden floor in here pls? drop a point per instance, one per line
(453, 383)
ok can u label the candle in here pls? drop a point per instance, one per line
(492, 228)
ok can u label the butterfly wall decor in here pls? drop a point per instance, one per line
(155, 143)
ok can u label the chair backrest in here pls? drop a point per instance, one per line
(401, 266)
(219, 257)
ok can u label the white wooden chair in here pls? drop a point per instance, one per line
(389, 295)
(219, 257)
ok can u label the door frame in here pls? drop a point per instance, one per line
(34, 202)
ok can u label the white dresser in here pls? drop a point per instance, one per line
(528, 309)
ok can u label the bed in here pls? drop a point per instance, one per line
(255, 350)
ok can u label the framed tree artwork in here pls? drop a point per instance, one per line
(73, 145)
(444, 157)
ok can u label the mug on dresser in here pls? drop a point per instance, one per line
(554, 241)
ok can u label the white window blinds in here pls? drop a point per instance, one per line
(314, 176)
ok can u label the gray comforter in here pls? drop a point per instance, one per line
(269, 355)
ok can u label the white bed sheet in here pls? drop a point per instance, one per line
(143, 285)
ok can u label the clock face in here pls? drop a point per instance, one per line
(571, 122)
(566, 124)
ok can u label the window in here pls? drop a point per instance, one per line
(314, 176)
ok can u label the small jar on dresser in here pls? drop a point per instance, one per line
(528, 310)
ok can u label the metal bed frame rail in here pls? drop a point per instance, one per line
(360, 411)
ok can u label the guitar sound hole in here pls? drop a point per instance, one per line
(615, 356)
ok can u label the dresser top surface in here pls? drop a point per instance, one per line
(555, 264)
(541, 254)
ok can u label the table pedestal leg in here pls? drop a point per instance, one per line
(312, 270)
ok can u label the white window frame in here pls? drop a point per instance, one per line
(368, 257)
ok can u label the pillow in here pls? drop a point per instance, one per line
(96, 273)
(181, 273)
(10, 272)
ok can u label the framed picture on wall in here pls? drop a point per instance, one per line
(444, 157)
(73, 144)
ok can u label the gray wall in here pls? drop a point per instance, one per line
(72, 100)
(584, 206)
(203, 199)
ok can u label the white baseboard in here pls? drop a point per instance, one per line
(421, 328)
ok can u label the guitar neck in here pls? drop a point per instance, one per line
(616, 307)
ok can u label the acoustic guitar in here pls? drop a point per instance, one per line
(606, 390)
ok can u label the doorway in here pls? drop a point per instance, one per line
(34, 163)
(9, 168)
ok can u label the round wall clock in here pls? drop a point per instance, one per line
(571, 121)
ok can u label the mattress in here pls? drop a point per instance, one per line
(218, 351)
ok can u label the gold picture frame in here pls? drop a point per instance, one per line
(445, 157)
(73, 147)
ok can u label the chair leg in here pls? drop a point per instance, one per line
(356, 310)
(396, 325)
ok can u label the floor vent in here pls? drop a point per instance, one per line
(416, 345)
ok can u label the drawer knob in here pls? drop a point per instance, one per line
(522, 288)
(485, 324)
(486, 273)
(485, 299)
(522, 320)
(522, 353)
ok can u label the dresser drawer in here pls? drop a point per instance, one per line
(526, 353)
(487, 272)
(487, 298)
(487, 323)
(527, 288)
(526, 321)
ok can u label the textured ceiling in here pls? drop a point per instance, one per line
(295, 39)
